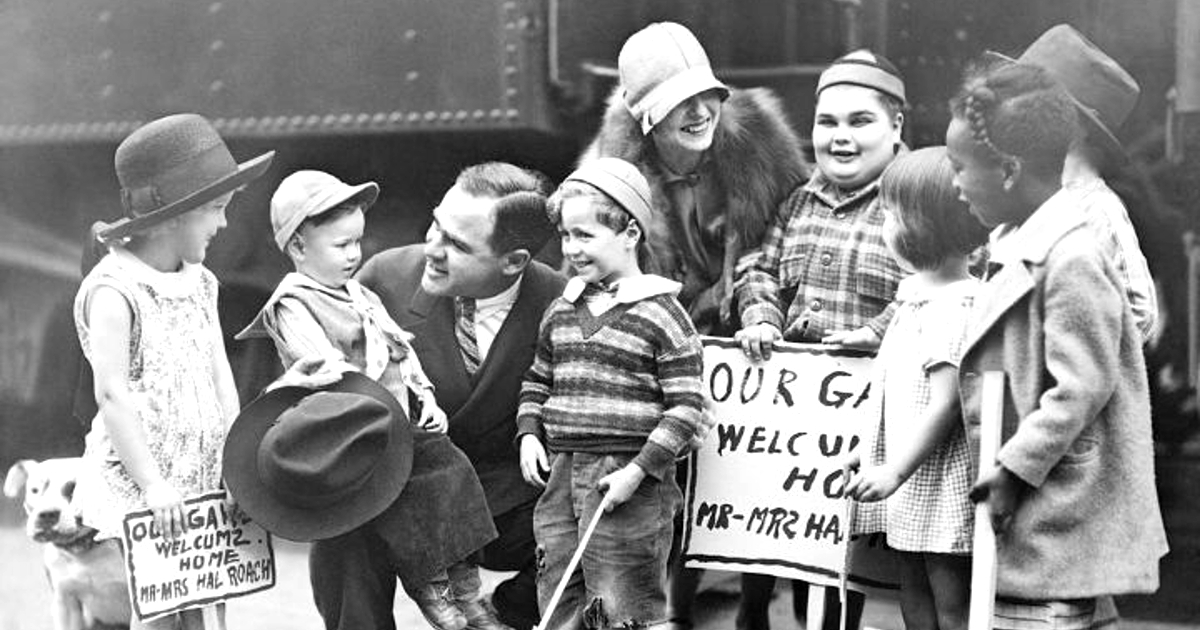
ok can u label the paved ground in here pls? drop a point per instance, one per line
(24, 596)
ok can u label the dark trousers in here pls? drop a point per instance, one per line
(353, 576)
(756, 597)
(515, 599)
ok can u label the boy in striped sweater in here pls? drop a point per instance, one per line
(612, 398)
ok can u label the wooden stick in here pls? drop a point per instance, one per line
(843, 577)
(816, 606)
(983, 563)
(572, 565)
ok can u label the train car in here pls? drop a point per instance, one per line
(406, 92)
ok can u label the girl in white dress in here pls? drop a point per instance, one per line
(147, 321)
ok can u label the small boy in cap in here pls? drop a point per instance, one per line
(614, 396)
(320, 310)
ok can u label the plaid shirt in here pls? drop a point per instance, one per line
(826, 259)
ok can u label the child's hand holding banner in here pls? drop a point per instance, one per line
(221, 556)
(765, 494)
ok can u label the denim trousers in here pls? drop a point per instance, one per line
(620, 580)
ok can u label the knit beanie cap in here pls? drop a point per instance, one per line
(660, 67)
(867, 69)
(620, 180)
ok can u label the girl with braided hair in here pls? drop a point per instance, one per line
(1071, 490)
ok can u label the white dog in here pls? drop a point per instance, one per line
(87, 578)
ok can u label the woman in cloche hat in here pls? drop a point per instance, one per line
(719, 161)
(147, 321)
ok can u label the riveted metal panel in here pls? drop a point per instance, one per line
(84, 70)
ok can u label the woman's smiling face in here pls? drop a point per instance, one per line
(854, 137)
(690, 125)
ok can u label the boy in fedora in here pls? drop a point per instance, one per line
(1104, 95)
(147, 321)
(612, 399)
(320, 310)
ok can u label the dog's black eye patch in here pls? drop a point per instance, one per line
(68, 489)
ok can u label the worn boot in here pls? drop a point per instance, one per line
(464, 587)
(436, 601)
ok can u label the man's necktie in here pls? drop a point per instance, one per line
(464, 329)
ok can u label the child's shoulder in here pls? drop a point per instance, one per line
(660, 304)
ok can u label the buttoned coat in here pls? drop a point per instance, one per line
(1076, 421)
(481, 409)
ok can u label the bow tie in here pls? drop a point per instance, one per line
(607, 289)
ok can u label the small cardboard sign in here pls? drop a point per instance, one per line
(219, 557)
(765, 494)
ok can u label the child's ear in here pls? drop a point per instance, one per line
(634, 230)
(515, 261)
(1011, 171)
(898, 131)
(295, 246)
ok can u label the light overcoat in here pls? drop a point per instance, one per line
(1076, 422)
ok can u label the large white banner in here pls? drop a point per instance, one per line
(221, 556)
(765, 493)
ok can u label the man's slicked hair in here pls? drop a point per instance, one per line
(521, 217)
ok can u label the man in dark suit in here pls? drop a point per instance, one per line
(476, 264)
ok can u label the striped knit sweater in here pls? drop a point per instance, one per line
(625, 381)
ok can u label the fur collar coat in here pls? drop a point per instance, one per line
(706, 220)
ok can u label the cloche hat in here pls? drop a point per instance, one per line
(660, 67)
(305, 194)
(313, 464)
(1102, 90)
(170, 166)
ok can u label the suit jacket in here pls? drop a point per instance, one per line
(482, 410)
(1076, 423)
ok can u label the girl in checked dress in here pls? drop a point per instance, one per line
(919, 461)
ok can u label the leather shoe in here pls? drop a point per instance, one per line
(515, 601)
(480, 615)
(438, 606)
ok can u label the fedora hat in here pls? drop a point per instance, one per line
(170, 166)
(1102, 90)
(312, 464)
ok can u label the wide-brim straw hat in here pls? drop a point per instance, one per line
(170, 166)
(313, 464)
(1102, 90)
